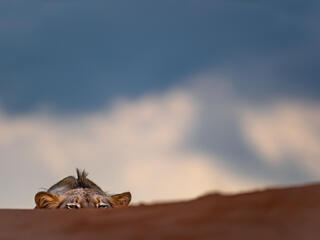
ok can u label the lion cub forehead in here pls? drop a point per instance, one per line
(83, 192)
(80, 192)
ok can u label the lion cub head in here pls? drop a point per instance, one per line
(77, 193)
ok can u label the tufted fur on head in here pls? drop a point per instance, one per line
(79, 192)
(71, 182)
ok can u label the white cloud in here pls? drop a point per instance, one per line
(285, 131)
(144, 145)
(136, 146)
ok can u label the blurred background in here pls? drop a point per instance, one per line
(167, 99)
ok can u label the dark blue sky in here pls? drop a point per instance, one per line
(80, 55)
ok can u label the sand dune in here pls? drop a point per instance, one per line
(287, 213)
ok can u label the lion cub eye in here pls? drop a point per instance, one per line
(102, 205)
(73, 206)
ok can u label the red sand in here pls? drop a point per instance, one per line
(291, 213)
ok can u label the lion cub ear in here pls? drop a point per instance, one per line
(122, 199)
(47, 200)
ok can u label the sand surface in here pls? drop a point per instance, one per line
(287, 213)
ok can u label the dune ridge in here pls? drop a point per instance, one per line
(283, 213)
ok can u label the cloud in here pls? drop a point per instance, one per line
(176, 144)
(286, 131)
(136, 146)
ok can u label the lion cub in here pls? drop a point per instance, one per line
(80, 192)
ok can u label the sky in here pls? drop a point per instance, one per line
(167, 99)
